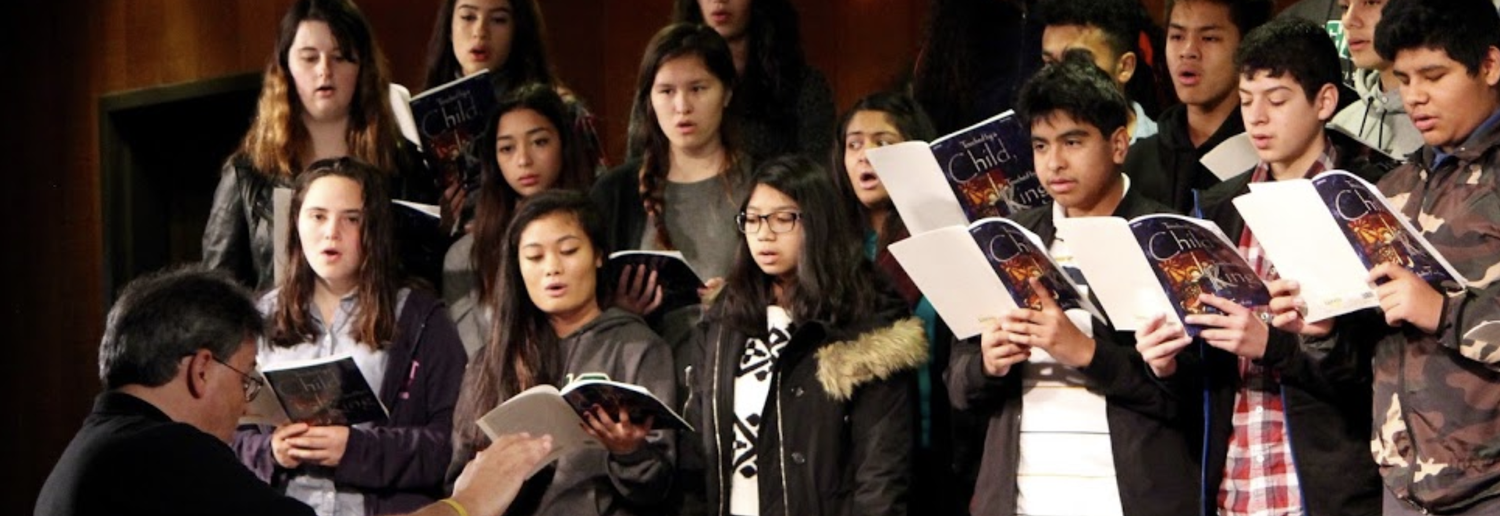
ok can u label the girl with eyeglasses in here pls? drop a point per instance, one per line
(340, 296)
(553, 322)
(804, 375)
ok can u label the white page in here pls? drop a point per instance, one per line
(539, 411)
(1232, 157)
(918, 187)
(1301, 238)
(281, 218)
(401, 107)
(1106, 250)
(953, 273)
(431, 210)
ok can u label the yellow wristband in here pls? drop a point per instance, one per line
(457, 507)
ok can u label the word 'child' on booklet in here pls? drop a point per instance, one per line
(678, 281)
(1326, 233)
(1159, 264)
(544, 410)
(449, 119)
(319, 392)
(984, 171)
(980, 271)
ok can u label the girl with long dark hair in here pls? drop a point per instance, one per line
(878, 120)
(793, 103)
(805, 392)
(325, 95)
(508, 38)
(341, 296)
(528, 148)
(553, 322)
(681, 194)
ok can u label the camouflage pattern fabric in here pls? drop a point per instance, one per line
(1437, 397)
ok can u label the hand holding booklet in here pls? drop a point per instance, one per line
(1326, 233)
(980, 271)
(1158, 264)
(545, 410)
(678, 281)
(319, 392)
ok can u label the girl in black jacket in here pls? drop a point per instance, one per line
(805, 392)
(325, 95)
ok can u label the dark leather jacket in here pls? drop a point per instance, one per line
(239, 235)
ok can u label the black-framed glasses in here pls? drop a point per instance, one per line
(779, 222)
(250, 383)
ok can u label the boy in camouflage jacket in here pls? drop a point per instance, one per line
(1436, 364)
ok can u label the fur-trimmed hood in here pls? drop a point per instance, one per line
(875, 355)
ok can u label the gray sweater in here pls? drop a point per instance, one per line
(594, 481)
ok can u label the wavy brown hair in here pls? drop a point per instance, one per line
(497, 200)
(375, 324)
(522, 348)
(278, 142)
(672, 42)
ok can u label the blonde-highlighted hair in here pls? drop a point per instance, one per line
(278, 143)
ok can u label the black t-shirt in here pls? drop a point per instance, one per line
(131, 459)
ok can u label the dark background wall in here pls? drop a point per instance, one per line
(60, 57)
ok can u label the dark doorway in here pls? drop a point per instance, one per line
(161, 150)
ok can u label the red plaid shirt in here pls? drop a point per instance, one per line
(1260, 477)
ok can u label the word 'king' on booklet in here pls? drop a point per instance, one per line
(982, 270)
(984, 170)
(1159, 264)
(1329, 231)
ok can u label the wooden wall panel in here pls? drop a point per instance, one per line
(67, 53)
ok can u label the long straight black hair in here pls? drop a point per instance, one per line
(522, 348)
(497, 200)
(527, 63)
(832, 282)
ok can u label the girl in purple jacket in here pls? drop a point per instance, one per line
(339, 297)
